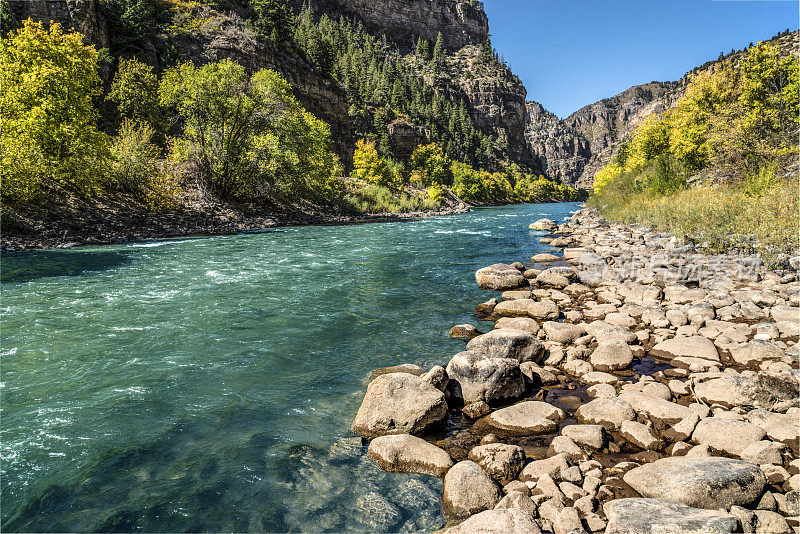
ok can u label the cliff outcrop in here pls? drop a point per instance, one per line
(572, 150)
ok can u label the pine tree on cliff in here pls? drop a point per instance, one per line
(438, 54)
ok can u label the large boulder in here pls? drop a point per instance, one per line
(502, 462)
(609, 413)
(710, 482)
(727, 436)
(611, 356)
(508, 343)
(474, 376)
(529, 417)
(467, 490)
(686, 350)
(564, 333)
(399, 403)
(500, 277)
(502, 521)
(729, 390)
(658, 516)
(544, 224)
(403, 453)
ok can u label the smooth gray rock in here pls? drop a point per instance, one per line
(590, 436)
(657, 516)
(502, 521)
(526, 324)
(508, 343)
(712, 482)
(467, 490)
(477, 377)
(399, 403)
(736, 390)
(658, 410)
(551, 467)
(464, 331)
(404, 453)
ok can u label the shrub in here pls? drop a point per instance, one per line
(135, 90)
(134, 157)
(49, 79)
(369, 166)
(428, 165)
(249, 137)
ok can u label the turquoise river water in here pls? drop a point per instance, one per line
(209, 384)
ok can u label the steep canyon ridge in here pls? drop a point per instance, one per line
(569, 150)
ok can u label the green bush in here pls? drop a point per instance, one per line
(134, 157)
(49, 129)
(135, 90)
(248, 137)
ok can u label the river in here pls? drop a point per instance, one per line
(208, 384)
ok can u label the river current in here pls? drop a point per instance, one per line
(208, 384)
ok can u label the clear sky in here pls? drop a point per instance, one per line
(570, 53)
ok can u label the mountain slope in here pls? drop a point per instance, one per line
(572, 150)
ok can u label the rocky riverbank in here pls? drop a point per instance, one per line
(122, 219)
(628, 385)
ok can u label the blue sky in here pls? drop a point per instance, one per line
(570, 53)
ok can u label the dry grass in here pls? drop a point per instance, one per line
(723, 218)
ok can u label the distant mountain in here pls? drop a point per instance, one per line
(572, 150)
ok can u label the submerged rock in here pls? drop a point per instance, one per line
(711, 482)
(409, 368)
(657, 516)
(468, 490)
(404, 453)
(399, 403)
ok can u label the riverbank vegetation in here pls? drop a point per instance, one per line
(721, 167)
(210, 131)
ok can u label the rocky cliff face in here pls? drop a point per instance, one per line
(403, 21)
(229, 37)
(496, 98)
(81, 15)
(572, 150)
